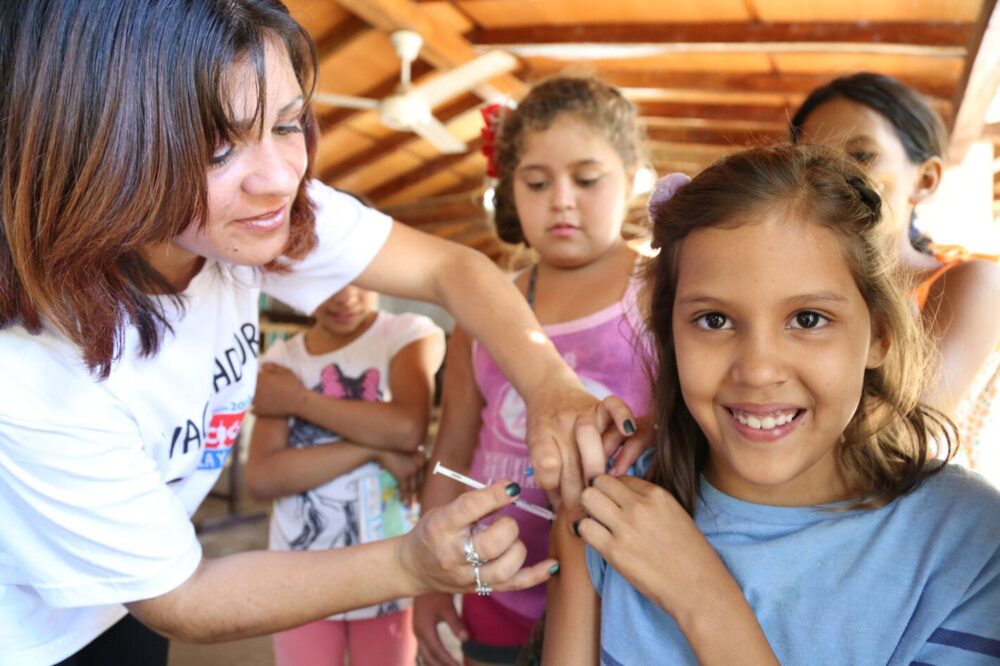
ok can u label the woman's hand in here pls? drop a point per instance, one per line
(429, 611)
(570, 436)
(433, 552)
(408, 469)
(279, 392)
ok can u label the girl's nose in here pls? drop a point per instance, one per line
(563, 196)
(759, 362)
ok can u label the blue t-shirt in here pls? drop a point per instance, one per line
(917, 581)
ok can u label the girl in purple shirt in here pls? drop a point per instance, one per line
(566, 158)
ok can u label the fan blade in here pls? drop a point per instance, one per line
(456, 81)
(347, 101)
(436, 134)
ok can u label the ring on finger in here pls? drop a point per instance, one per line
(482, 589)
(471, 556)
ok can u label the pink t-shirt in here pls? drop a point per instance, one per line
(609, 353)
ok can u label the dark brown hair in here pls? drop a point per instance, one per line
(597, 104)
(884, 452)
(109, 113)
(917, 126)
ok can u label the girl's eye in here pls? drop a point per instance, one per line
(587, 182)
(714, 321)
(222, 155)
(535, 186)
(808, 320)
(862, 157)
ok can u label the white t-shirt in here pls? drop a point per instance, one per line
(362, 505)
(98, 479)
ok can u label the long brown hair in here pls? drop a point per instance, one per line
(600, 106)
(884, 451)
(109, 112)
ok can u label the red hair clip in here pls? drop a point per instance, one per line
(491, 117)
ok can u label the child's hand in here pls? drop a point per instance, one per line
(279, 391)
(641, 530)
(408, 468)
(429, 611)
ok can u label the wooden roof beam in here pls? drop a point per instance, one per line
(747, 112)
(735, 138)
(932, 34)
(980, 82)
(425, 170)
(340, 36)
(443, 47)
(758, 82)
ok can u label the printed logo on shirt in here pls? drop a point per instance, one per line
(230, 364)
(219, 439)
(335, 384)
(214, 436)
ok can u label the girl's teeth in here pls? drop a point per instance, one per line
(766, 423)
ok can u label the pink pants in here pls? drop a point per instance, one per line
(381, 641)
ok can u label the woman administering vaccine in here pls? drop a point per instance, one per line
(154, 181)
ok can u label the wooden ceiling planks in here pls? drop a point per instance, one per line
(708, 77)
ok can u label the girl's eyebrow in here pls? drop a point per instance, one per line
(829, 298)
(584, 162)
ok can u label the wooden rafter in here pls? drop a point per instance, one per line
(980, 83)
(944, 34)
(424, 171)
(443, 47)
(792, 83)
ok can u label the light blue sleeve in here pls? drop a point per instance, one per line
(970, 635)
(597, 566)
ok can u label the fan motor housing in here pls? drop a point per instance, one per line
(402, 112)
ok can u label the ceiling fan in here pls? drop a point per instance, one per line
(409, 107)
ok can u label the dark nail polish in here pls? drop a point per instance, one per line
(554, 569)
(576, 527)
(591, 482)
(629, 427)
(513, 490)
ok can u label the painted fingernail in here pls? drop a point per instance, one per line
(629, 427)
(513, 490)
(554, 569)
(576, 528)
(529, 471)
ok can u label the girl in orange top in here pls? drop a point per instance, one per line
(893, 133)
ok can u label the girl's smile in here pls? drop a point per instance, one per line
(764, 423)
(771, 369)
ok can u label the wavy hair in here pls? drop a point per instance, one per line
(884, 451)
(109, 113)
(602, 107)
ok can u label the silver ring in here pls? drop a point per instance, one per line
(482, 589)
(471, 556)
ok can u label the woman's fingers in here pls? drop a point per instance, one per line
(528, 576)
(471, 507)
